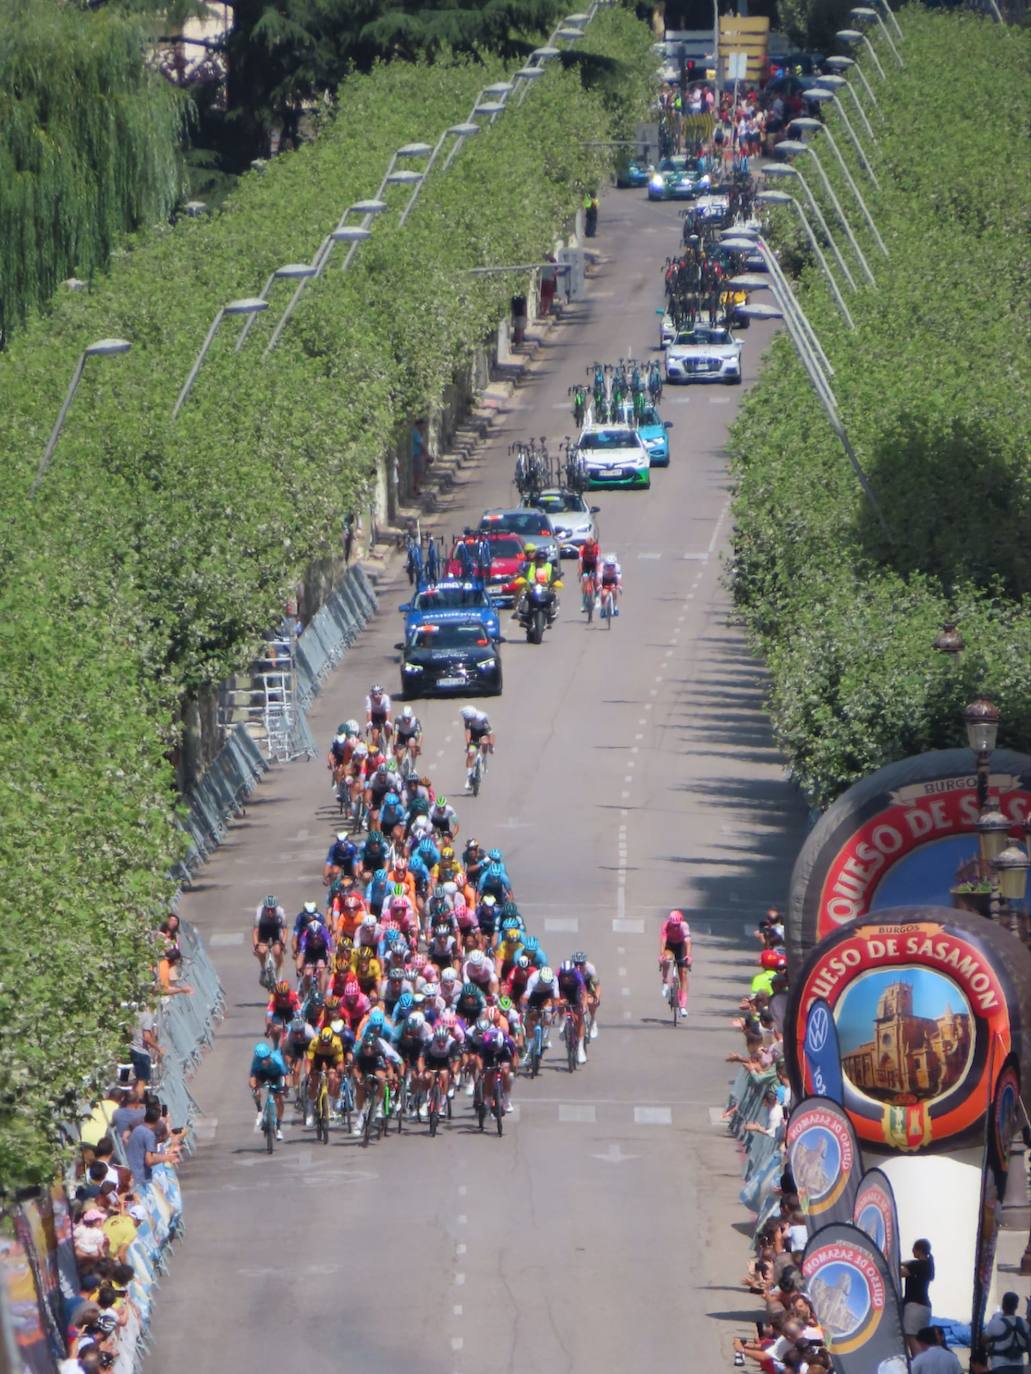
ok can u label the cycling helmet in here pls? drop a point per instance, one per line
(450, 888)
(282, 988)
(523, 961)
(343, 836)
(469, 713)
(494, 1039)
(566, 966)
(447, 853)
(488, 900)
(271, 903)
(399, 890)
(352, 900)
(471, 990)
(768, 959)
(547, 977)
(397, 972)
(483, 1023)
(369, 921)
(440, 803)
(336, 1026)
(316, 1002)
(297, 1025)
(415, 1019)
(262, 1050)
(405, 1002)
(531, 944)
(391, 765)
(471, 844)
(441, 929)
(579, 957)
(401, 864)
(376, 1018)
(476, 959)
(325, 1036)
(505, 1003)
(332, 1003)
(407, 713)
(351, 727)
(351, 988)
(611, 558)
(495, 855)
(441, 1034)
(449, 975)
(361, 750)
(311, 908)
(376, 690)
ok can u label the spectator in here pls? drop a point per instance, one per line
(931, 1357)
(143, 1047)
(169, 970)
(916, 1299)
(129, 1112)
(88, 1238)
(141, 1148)
(1007, 1338)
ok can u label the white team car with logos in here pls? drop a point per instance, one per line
(613, 456)
(704, 353)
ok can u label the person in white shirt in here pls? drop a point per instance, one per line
(932, 1358)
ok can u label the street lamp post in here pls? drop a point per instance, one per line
(248, 305)
(103, 348)
(828, 86)
(456, 131)
(849, 64)
(792, 147)
(781, 171)
(883, 4)
(864, 13)
(782, 198)
(781, 287)
(834, 81)
(814, 126)
(857, 36)
(981, 719)
(292, 271)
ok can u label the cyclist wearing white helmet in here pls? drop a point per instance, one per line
(479, 734)
(611, 580)
(407, 738)
(377, 715)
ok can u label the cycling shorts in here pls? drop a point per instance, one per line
(572, 995)
(378, 719)
(538, 999)
(607, 581)
(295, 1051)
(326, 1061)
(314, 957)
(679, 951)
(268, 935)
(475, 735)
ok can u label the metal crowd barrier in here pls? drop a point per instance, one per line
(219, 796)
(185, 1028)
(331, 632)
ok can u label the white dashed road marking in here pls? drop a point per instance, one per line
(576, 1112)
(222, 939)
(653, 1116)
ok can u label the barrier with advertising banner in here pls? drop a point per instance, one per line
(874, 1212)
(896, 838)
(825, 1161)
(854, 1296)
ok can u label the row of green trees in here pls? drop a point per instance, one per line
(155, 552)
(89, 145)
(933, 386)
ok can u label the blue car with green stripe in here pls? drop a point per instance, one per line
(654, 431)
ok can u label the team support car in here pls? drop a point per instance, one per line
(676, 178)
(452, 599)
(571, 517)
(632, 173)
(704, 353)
(507, 556)
(709, 208)
(654, 430)
(532, 527)
(614, 456)
(449, 656)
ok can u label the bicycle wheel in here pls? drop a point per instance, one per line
(322, 1122)
(499, 1110)
(474, 779)
(588, 600)
(269, 1124)
(609, 608)
(434, 1106)
(370, 1108)
(569, 1032)
(536, 1049)
(674, 1000)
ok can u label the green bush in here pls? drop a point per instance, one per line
(933, 387)
(156, 552)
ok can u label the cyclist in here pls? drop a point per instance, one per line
(269, 932)
(478, 733)
(302, 918)
(440, 1059)
(486, 919)
(444, 820)
(354, 1005)
(373, 1053)
(375, 855)
(675, 942)
(313, 952)
(299, 1035)
(519, 976)
(473, 862)
(326, 1051)
(494, 877)
(268, 1069)
(612, 580)
(538, 1000)
(407, 736)
(587, 562)
(377, 787)
(283, 1006)
(377, 715)
(593, 983)
(573, 991)
(349, 912)
(411, 1036)
(497, 1052)
(443, 947)
(478, 969)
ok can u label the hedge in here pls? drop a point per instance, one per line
(155, 553)
(933, 388)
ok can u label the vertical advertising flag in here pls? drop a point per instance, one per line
(856, 1304)
(822, 1053)
(1000, 1125)
(824, 1161)
(874, 1212)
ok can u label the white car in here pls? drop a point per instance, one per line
(571, 518)
(614, 456)
(667, 330)
(704, 353)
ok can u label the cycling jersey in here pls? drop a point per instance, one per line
(316, 945)
(443, 819)
(611, 575)
(539, 996)
(283, 1008)
(571, 986)
(270, 925)
(405, 730)
(491, 1056)
(675, 931)
(354, 1013)
(440, 1057)
(272, 1069)
(469, 1006)
(322, 1056)
(378, 710)
(481, 976)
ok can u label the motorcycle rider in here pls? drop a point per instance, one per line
(539, 570)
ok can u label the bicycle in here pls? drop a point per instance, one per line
(536, 1051)
(569, 1038)
(477, 766)
(371, 1102)
(671, 990)
(434, 1102)
(269, 1118)
(344, 1105)
(607, 610)
(268, 976)
(322, 1107)
(480, 1094)
(589, 593)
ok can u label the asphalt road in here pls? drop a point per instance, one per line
(634, 772)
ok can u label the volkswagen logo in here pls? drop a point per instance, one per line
(818, 1029)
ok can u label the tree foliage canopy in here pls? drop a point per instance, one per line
(934, 386)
